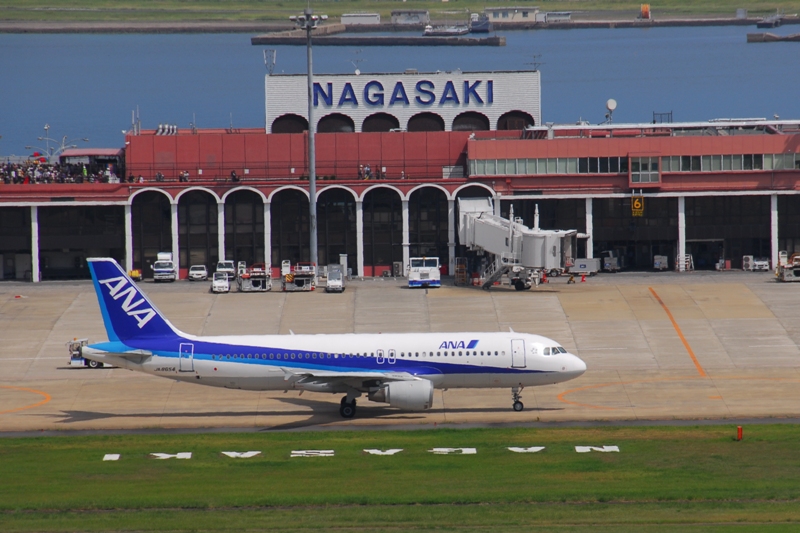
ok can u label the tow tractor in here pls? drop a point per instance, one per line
(300, 277)
(75, 347)
(255, 278)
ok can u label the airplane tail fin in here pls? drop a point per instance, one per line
(127, 313)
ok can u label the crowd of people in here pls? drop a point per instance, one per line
(37, 171)
(34, 172)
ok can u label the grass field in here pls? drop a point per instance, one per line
(268, 10)
(695, 477)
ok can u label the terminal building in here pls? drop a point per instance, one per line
(695, 192)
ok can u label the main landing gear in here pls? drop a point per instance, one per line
(516, 396)
(347, 409)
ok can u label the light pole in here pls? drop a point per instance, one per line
(61, 145)
(308, 21)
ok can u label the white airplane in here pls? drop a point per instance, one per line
(401, 369)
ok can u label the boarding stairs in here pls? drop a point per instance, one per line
(501, 265)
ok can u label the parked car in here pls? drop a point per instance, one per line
(220, 283)
(198, 273)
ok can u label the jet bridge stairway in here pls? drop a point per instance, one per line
(519, 252)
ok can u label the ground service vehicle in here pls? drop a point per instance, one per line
(228, 268)
(335, 281)
(255, 278)
(300, 277)
(164, 268)
(399, 369)
(220, 283)
(76, 359)
(198, 273)
(424, 272)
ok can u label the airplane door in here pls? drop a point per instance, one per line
(518, 353)
(391, 357)
(187, 357)
(380, 357)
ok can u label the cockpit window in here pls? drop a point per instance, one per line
(546, 351)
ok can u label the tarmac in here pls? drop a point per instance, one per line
(663, 347)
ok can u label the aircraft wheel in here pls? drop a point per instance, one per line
(347, 409)
(94, 364)
(519, 285)
(518, 406)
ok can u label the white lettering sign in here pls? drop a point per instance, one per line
(115, 286)
(454, 451)
(241, 455)
(382, 452)
(587, 449)
(312, 453)
(181, 455)
(532, 449)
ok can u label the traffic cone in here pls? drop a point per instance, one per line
(583, 278)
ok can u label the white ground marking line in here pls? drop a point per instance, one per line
(532, 449)
(454, 451)
(180, 455)
(111, 457)
(312, 453)
(391, 451)
(240, 455)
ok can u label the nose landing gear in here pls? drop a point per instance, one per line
(516, 396)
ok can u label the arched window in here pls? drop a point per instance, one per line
(426, 122)
(515, 120)
(289, 124)
(471, 121)
(380, 122)
(336, 123)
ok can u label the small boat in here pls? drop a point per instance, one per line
(479, 23)
(772, 21)
(445, 31)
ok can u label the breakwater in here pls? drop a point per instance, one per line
(277, 39)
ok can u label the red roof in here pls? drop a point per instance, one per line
(91, 152)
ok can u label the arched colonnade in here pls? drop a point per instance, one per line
(375, 228)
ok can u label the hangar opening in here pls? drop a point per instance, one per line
(383, 230)
(152, 229)
(636, 239)
(289, 226)
(15, 243)
(471, 121)
(68, 235)
(515, 120)
(789, 223)
(426, 122)
(380, 122)
(290, 123)
(336, 123)
(244, 227)
(428, 232)
(726, 227)
(336, 226)
(197, 231)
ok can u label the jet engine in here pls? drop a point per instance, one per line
(416, 395)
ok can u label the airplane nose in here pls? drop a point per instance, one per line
(576, 365)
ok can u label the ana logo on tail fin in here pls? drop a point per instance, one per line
(127, 312)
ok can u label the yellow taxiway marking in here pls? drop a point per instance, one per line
(680, 335)
(46, 396)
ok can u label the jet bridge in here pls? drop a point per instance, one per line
(517, 251)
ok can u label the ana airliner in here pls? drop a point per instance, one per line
(401, 369)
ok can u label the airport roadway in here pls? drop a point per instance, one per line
(659, 346)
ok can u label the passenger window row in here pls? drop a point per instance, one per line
(306, 356)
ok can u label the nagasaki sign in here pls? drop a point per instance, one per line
(447, 94)
(423, 92)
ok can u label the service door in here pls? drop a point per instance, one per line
(187, 357)
(518, 353)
